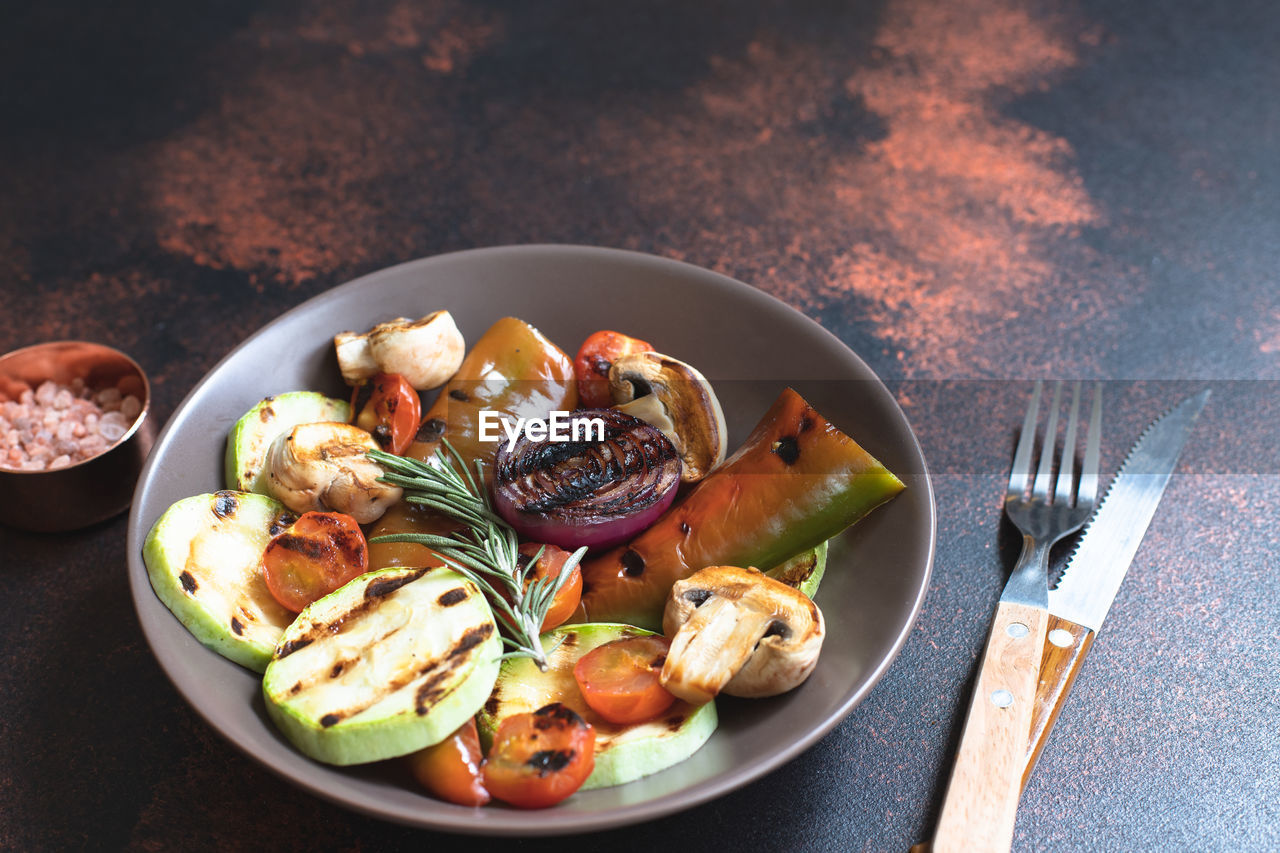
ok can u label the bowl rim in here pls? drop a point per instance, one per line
(572, 823)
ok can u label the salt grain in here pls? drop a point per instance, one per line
(55, 426)
(113, 426)
(46, 393)
(131, 407)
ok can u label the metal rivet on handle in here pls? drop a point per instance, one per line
(1061, 638)
(1017, 630)
(1001, 698)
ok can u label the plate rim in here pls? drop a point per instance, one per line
(566, 823)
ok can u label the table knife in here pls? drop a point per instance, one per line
(1078, 604)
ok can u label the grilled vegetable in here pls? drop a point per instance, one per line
(204, 559)
(450, 769)
(550, 563)
(485, 549)
(406, 517)
(513, 371)
(393, 662)
(803, 571)
(738, 631)
(587, 492)
(796, 482)
(591, 365)
(323, 467)
(392, 413)
(676, 399)
(621, 680)
(314, 556)
(253, 433)
(426, 351)
(538, 759)
(623, 752)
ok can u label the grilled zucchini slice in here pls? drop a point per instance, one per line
(204, 559)
(392, 662)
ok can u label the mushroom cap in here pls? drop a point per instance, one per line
(323, 467)
(426, 352)
(355, 359)
(690, 413)
(777, 638)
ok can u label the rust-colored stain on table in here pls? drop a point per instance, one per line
(961, 191)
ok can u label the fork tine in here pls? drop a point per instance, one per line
(1045, 471)
(1067, 469)
(1088, 490)
(1021, 470)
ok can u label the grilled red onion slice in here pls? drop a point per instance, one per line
(593, 493)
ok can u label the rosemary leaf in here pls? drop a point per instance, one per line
(485, 550)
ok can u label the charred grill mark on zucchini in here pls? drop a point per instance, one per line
(472, 638)
(386, 586)
(188, 582)
(225, 504)
(429, 693)
(452, 597)
(237, 626)
(281, 523)
(292, 646)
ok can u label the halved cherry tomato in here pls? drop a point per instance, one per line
(620, 680)
(540, 758)
(391, 416)
(549, 565)
(591, 366)
(318, 553)
(450, 770)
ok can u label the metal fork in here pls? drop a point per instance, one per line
(982, 796)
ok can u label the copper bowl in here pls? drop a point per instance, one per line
(96, 488)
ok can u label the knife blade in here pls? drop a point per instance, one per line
(1079, 603)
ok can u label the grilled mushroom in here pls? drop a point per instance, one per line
(426, 352)
(738, 631)
(677, 400)
(323, 467)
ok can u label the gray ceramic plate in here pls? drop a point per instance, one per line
(749, 345)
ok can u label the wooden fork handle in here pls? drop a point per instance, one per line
(982, 797)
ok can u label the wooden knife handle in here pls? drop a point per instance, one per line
(1063, 655)
(982, 797)
(1066, 645)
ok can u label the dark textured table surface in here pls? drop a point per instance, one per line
(966, 193)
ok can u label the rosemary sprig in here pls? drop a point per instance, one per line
(485, 551)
